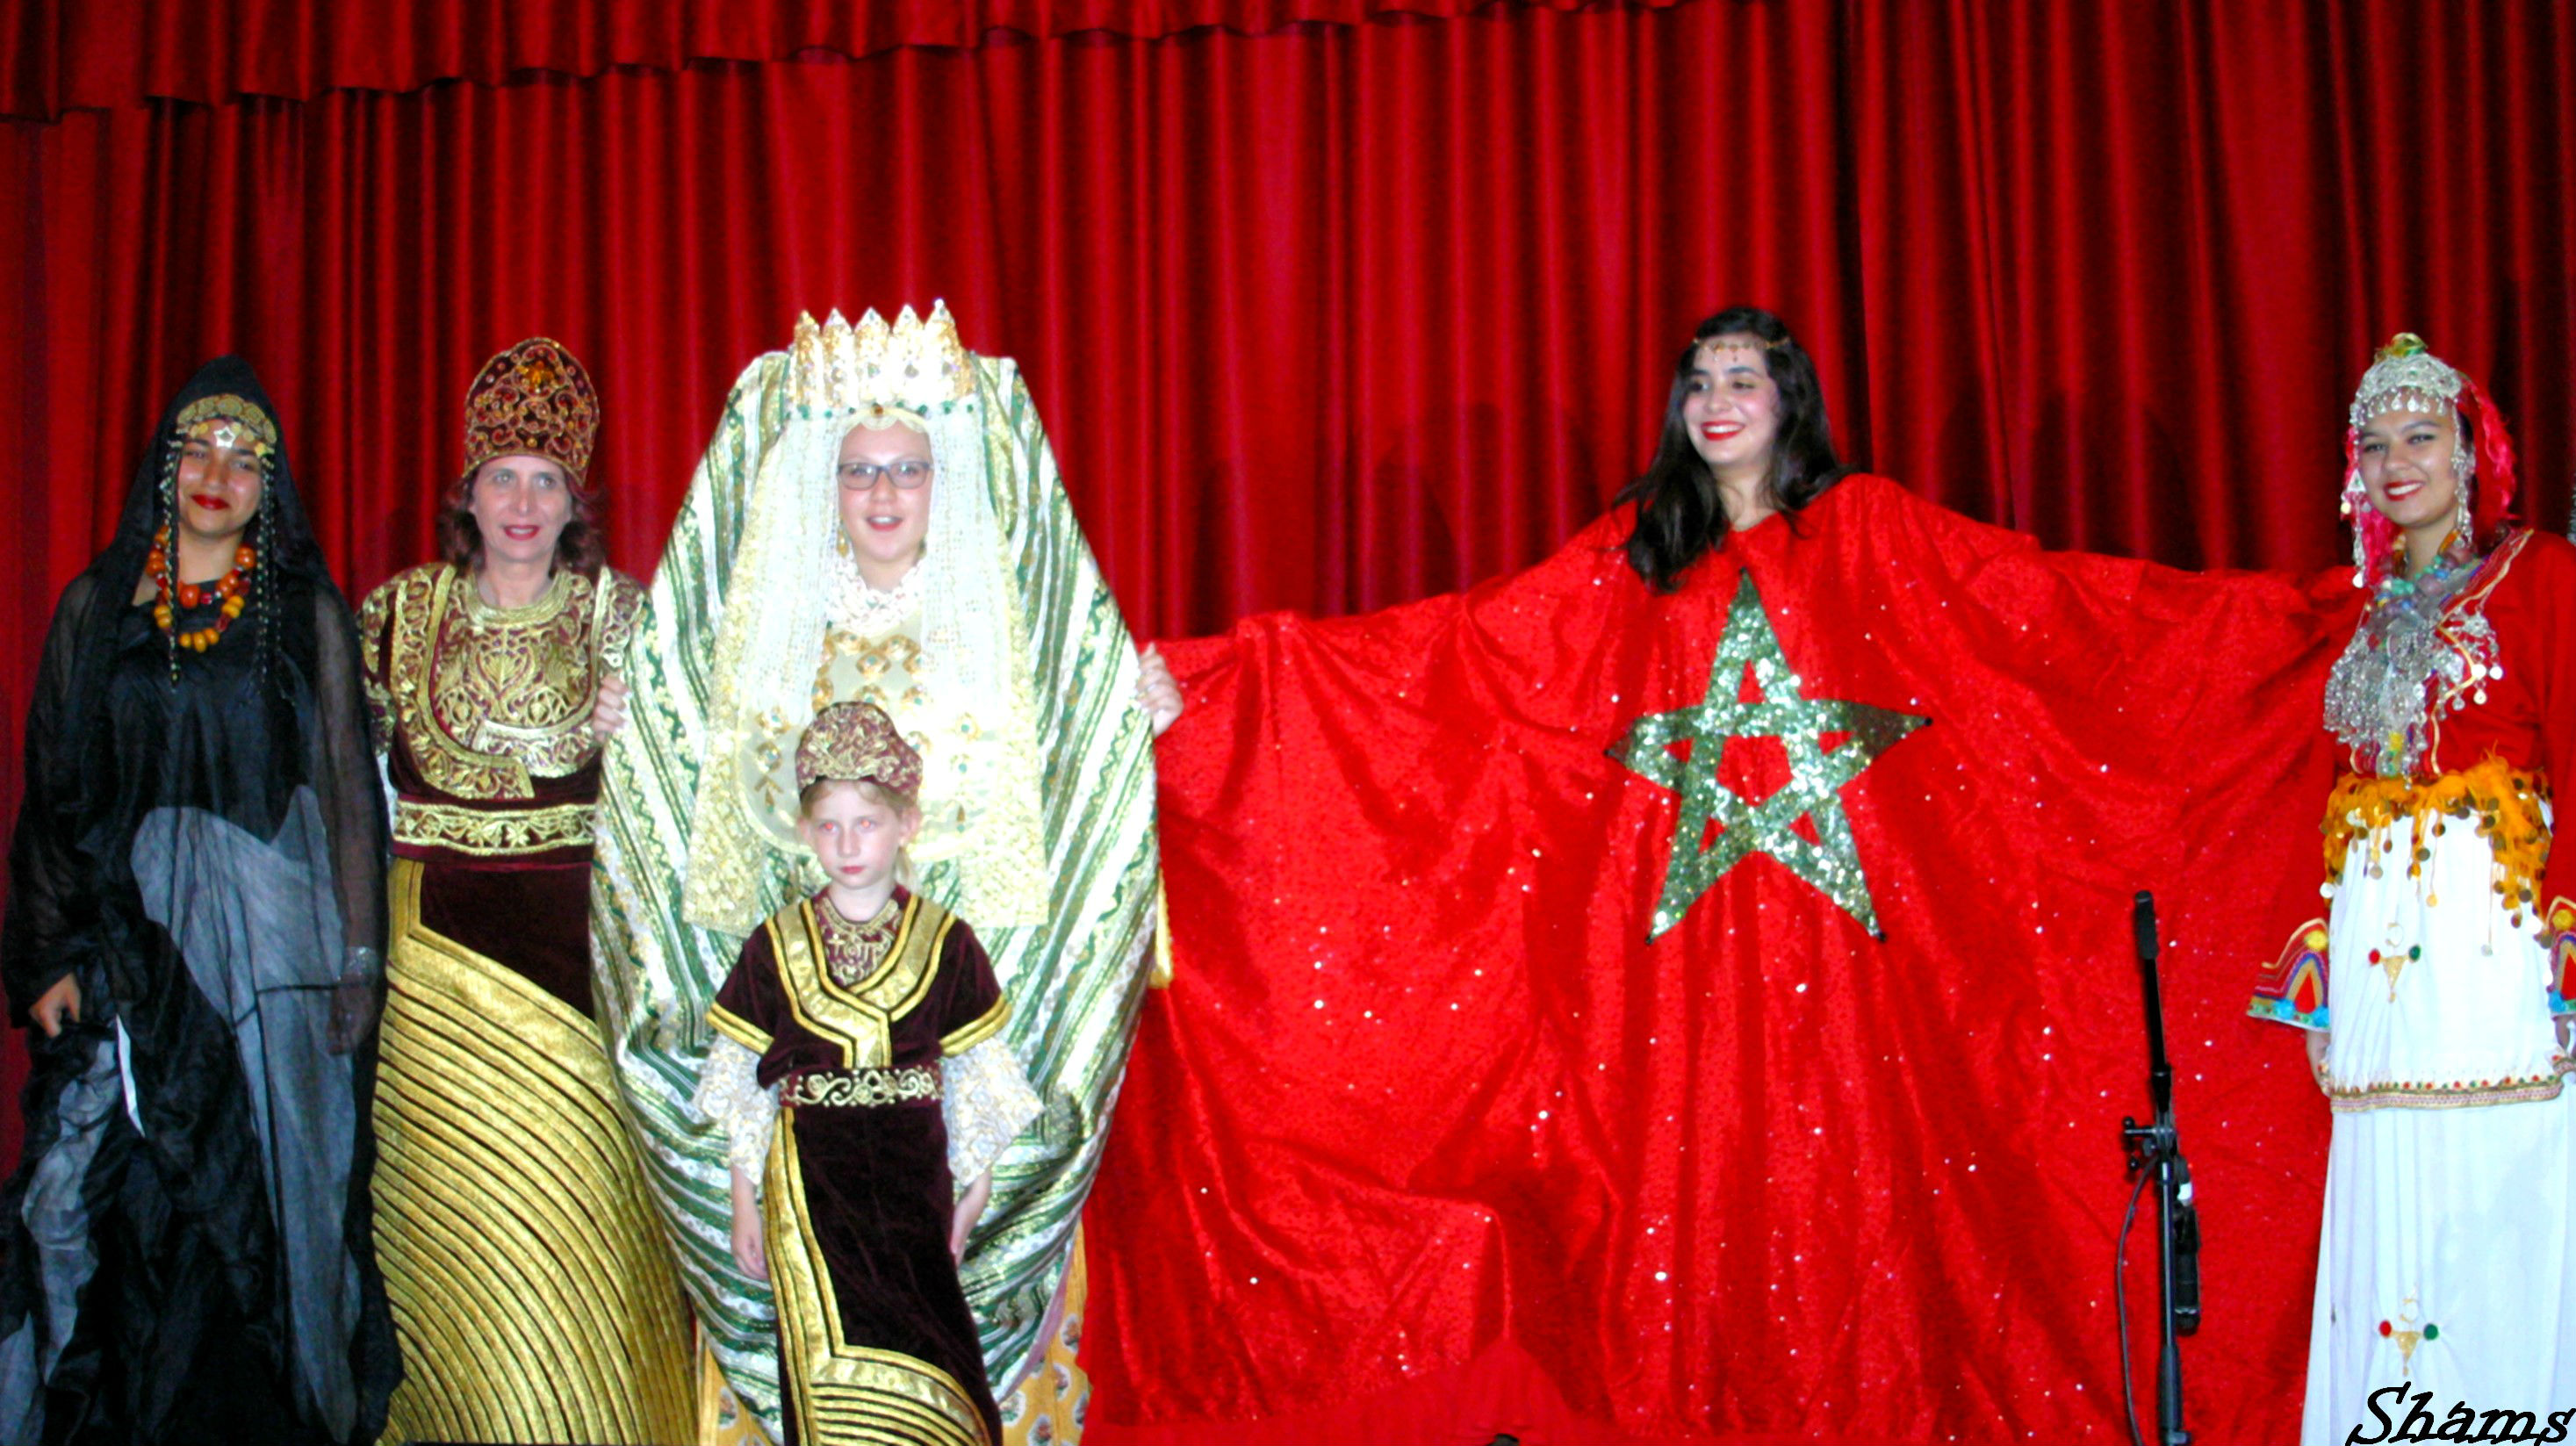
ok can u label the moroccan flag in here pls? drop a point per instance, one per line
(1712, 1015)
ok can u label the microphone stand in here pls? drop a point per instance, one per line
(2156, 1147)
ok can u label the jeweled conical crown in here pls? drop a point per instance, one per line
(909, 365)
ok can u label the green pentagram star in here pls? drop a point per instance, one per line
(1830, 861)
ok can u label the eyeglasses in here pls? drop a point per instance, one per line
(907, 474)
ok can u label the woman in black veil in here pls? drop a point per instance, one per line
(195, 929)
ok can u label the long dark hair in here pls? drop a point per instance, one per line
(1680, 516)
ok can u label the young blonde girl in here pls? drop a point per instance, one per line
(861, 1078)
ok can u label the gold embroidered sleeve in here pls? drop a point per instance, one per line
(987, 1101)
(375, 615)
(729, 1093)
(623, 612)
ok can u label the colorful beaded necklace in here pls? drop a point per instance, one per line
(233, 588)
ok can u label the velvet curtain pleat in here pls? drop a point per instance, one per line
(58, 55)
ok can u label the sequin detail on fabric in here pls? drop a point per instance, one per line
(1831, 861)
(2507, 807)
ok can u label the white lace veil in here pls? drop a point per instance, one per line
(791, 569)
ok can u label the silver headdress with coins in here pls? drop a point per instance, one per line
(2412, 658)
(2403, 377)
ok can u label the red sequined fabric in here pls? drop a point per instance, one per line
(1428, 1134)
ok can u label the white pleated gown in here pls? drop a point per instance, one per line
(2446, 1263)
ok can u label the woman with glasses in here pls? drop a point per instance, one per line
(878, 520)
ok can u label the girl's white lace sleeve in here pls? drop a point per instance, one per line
(729, 1093)
(987, 1099)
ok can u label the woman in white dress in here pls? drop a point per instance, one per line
(2437, 991)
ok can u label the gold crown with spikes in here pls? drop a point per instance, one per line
(910, 365)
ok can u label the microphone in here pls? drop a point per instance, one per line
(2142, 926)
(2156, 1149)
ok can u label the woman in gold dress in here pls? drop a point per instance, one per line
(534, 1297)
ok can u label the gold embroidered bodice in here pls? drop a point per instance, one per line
(487, 700)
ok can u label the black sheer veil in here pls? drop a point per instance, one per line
(203, 845)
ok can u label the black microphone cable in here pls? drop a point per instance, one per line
(2120, 1303)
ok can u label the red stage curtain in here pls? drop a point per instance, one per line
(1322, 315)
(1341, 315)
(58, 55)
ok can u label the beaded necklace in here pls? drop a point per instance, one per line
(233, 588)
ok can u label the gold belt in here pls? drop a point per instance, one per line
(491, 832)
(861, 1088)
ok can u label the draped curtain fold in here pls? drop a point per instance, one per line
(1328, 304)
(57, 55)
